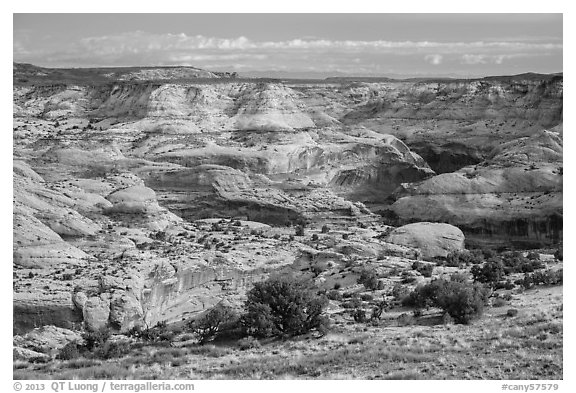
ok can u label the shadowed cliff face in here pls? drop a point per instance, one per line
(514, 196)
(110, 178)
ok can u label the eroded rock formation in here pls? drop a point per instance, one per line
(144, 198)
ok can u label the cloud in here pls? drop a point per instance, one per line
(434, 59)
(243, 53)
(473, 59)
(138, 42)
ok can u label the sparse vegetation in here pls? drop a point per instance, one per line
(463, 258)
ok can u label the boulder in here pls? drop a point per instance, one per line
(19, 353)
(432, 239)
(125, 310)
(45, 340)
(96, 313)
(134, 200)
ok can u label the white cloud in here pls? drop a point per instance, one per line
(376, 56)
(473, 59)
(141, 40)
(434, 59)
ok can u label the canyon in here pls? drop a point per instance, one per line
(147, 195)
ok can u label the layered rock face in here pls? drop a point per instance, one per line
(141, 200)
(514, 195)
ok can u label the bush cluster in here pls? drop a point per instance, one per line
(97, 344)
(515, 262)
(462, 258)
(156, 333)
(547, 277)
(463, 301)
(490, 272)
(282, 306)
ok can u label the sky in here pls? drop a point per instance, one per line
(463, 45)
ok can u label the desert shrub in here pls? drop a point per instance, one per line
(459, 258)
(217, 320)
(504, 285)
(315, 237)
(94, 339)
(548, 277)
(512, 312)
(533, 256)
(345, 236)
(158, 332)
(334, 295)
(369, 279)
(408, 277)
(325, 228)
(248, 343)
(98, 344)
(282, 306)
(490, 272)
(318, 268)
(112, 349)
(237, 223)
(359, 315)
(366, 297)
(400, 292)
(337, 285)
(464, 301)
(423, 296)
(515, 262)
(378, 309)
(299, 230)
(69, 351)
(423, 268)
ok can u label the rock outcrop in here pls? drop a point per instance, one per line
(515, 195)
(432, 239)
